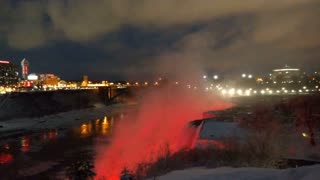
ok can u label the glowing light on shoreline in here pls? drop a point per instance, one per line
(232, 91)
(239, 92)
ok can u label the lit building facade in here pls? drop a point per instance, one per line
(49, 80)
(25, 68)
(85, 81)
(9, 75)
(286, 75)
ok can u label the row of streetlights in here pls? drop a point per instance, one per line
(215, 77)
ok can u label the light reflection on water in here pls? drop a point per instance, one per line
(97, 127)
(25, 143)
(5, 158)
(8, 150)
(52, 134)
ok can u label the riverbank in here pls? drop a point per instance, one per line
(301, 173)
(40, 104)
(58, 120)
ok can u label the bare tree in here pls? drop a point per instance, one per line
(305, 110)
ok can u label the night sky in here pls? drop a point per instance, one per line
(143, 39)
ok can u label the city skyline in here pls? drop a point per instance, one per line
(125, 40)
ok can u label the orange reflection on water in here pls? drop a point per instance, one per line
(25, 143)
(84, 130)
(111, 121)
(89, 128)
(105, 126)
(105, 120)
(97, 125)
(5, 158)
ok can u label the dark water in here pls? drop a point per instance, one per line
(46, 154)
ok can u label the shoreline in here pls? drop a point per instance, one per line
(59, 120)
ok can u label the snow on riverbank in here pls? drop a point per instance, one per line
(301, 173)
(60, 120)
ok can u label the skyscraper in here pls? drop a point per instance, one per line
(25, 68)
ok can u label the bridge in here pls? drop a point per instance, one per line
(114, 94)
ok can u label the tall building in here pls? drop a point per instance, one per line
(25, 68)
(9, 75)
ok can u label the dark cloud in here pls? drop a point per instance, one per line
(124, 37)
(82, 20)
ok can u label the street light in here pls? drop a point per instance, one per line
(248, 92)
(215, 77)
(244, 75)
(224, 92)
(231, 91)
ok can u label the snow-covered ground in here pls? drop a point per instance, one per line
(60, 120)
(225, 173)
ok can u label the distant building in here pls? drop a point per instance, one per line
(34, 80)
(25, 68)
(33, 77)
(286, 75)
(49, 80)
(9, 75)
(85, 81)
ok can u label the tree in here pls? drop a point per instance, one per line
(81, 170)
(305, 112)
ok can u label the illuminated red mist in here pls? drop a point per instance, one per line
(161, 121)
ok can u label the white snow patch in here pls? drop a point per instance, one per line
(225, 173)
(212, 129)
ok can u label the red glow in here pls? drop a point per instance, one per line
(25, 69)
(161, 120)
(5, 158)
(52, 134)
(7, 146)
(4, 62)
(27, 83)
